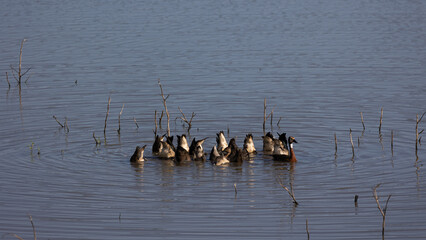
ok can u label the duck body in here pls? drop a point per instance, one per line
(282, 153)
(249, 144)
(268, 143)
(182, 151)
(196, 150)
(138, 154)
(221, 141)
(167, 150)
(234, 153)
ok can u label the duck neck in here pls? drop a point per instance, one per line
(292, 155)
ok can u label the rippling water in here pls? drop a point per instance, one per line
(317, 63)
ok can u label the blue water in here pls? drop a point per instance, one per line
(318, 64)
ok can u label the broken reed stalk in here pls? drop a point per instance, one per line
(418, 138)
(307, 230)
(278, 123)
(160, 119)
(106, 117)
(381, 119)
(272, 116)
(155, 122)
(134, 119)
(98, 142)
(32, 224)
(7, 79)
(165, 108)
(66, 125)
(392, 142)
(335, 144)
(290, 192)
(382, 211)
(352, 143)
(362, 121)
(119, 117)
(60, 124)
(264, 115)
(19, 71)
(235, 188)
(186, 120)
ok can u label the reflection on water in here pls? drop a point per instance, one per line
(318, 65)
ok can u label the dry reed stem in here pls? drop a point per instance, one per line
(362, 121)
(186, 120)
(352, 143)
(382, 211)
(165, 107)
(106, 117)
(307, 230)
(119, 117)
(235, 188)
(134, 119)
(418, 140)
(335, 144)
(264, 116)
(19, 71)
(60, 124)
(290, 192)
(155, 122)
(66, 125)
(381, 119)
(7, 79)
(392, 142)
(278, 123)
(32, 224)
(98, 142)
(160, 120)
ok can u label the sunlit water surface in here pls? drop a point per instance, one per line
(318, 64)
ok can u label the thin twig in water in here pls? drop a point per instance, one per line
(134, 119)
(335, 144)
(362, 120)
(60, 124)
(106, 117)
(381, 119)
(98, 142)
(66, 125)
(307, 230)
(418, 138)
(186, 120)
(278, 123)
(165, 108)
(32, 224)
(119, 117)
(382, 211)
(352, 143)
(7, 79)
(235, 188)
(155, 122)
(291, 193)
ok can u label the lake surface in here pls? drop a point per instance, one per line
(318, 64)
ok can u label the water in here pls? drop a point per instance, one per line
(318, 64)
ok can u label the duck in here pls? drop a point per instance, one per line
(167, 150)
(138, 154)
(156, 147)
(282, 153)
(182, 151)
(233, 152)
(268, 143)
(214, 154)
(248, 146)
(221, 141)
(196, 150)
(222, 159)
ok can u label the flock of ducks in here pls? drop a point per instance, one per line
(222, 153)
